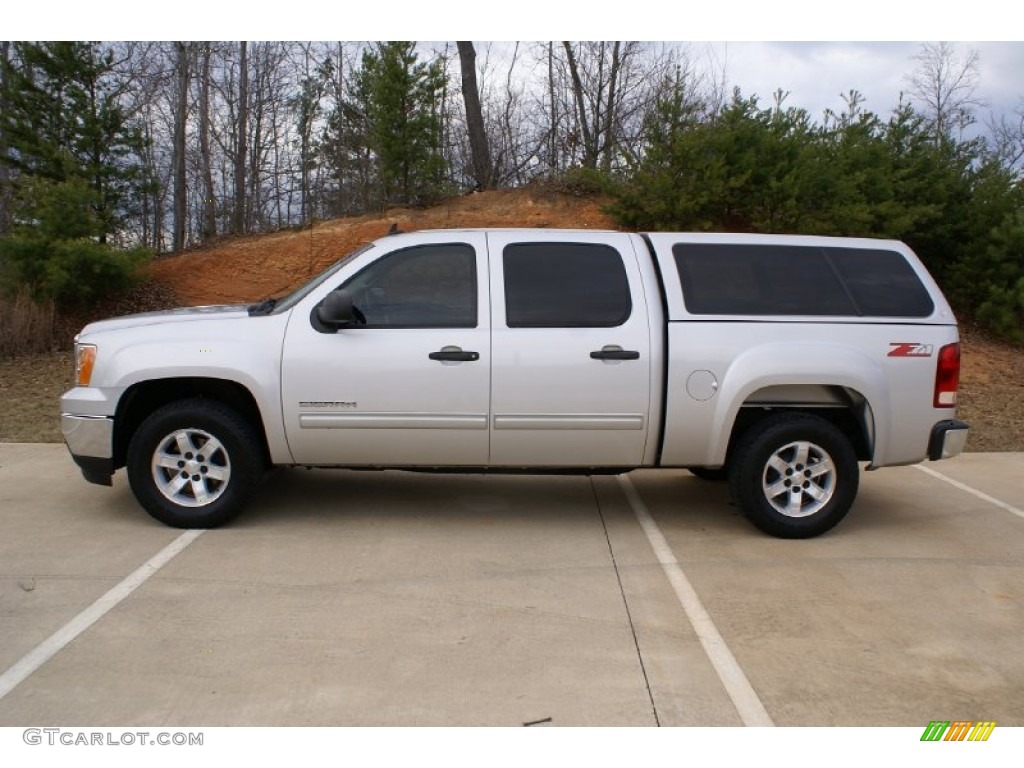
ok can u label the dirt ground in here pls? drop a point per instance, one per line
(991, 397)
(272, 264)
(250, 268)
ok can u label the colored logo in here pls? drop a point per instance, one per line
(958, 730)
(909, 349)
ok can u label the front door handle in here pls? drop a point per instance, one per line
(615, 352)
(454, 355)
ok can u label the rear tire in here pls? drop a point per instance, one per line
(194, 463)
(794, 475)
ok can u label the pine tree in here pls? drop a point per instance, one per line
(62, 120)
(400, 98)
(73, 158)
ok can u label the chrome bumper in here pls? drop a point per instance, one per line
(88, 435)
(947, 440)
(90, 441)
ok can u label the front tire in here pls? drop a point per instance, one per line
(795, 475)
(194, 463)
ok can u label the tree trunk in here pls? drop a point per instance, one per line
(238, 224)
(254, 201)
(553, 129)
(589, 156)
(475, 118)
(180, 120)
(608, 149)
(209, 206)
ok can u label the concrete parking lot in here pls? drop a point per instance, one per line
(388, 598)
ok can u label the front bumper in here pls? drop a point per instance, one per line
(947, 440)
(90, 441)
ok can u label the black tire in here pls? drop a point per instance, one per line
(177, 435)
(770, 458)
(719, 475)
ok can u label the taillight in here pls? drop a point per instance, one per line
(947, 376)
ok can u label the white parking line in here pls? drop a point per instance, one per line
(973, 491)
(52, 645)
(742, 693)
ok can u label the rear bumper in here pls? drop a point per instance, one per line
(90, 441)
(947, 440)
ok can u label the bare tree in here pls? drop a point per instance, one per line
(475, 117)
(180, 122)
(516, 133)
(238, 221)
(552, 137)
(209, 206)
(716, 92)
(267, 65)
(1008, 138)
(598, 95)
(945, 84)
(580, 101)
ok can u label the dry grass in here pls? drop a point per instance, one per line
(30, 390)
(26, 327)
(991, 397)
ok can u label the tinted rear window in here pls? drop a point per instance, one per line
(881, 283)
(721, 279)
(565, 285)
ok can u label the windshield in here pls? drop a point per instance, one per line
(287, 302)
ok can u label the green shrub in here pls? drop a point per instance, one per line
(583, 182)
(1003, 310)
(988, 280)
(55, 249)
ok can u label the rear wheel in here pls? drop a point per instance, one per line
(795, 475)
(194, 463)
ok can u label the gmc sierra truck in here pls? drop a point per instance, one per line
(777, 363)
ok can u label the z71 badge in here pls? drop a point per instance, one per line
(909, 349)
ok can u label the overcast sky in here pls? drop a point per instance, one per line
(815, 73)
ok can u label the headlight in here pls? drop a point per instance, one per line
(85, 358)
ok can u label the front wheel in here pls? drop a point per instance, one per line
(795, 475)
(194, 463)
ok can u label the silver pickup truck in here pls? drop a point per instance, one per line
(774, 362)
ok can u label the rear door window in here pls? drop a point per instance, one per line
(565, 285)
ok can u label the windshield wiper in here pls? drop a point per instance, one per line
(264, 307)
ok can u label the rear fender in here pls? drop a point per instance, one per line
(805, 367)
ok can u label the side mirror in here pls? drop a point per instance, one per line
(336, 310)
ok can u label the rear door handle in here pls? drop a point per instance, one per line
(615, 352)
(454, 355)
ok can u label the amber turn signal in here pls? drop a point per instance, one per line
(85, 358)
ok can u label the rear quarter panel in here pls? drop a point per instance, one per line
(746, 357)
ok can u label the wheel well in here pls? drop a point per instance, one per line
(145, 397)
(847, 419)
